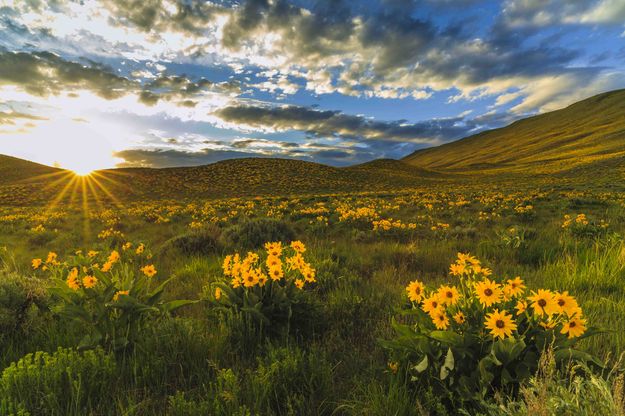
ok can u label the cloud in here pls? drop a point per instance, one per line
(9, 118)
(171, 157)
(336, 124)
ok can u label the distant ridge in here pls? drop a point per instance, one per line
(589, 132)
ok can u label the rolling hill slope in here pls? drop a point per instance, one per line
(585, 134)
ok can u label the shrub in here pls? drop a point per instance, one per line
(21, 298)
(467, 340)
(266, 294)
(254, 233)
(203, 241)
(109, 296)
(66, 382)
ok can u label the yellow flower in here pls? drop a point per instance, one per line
(457, 269)
(488, 292)
(566, 303)
(415, 291)
(249, 279)
(548, 324)
(574, 327)
(431, 304)
(276, 273)
(543, 302)
(126, 246)
(149, 270)
(274, 249)
(51, 259)
(448, 295)
(120, 293)
(140, 249)
(459, 318)
(72, 282)
(36, 263)
(113, 257)
(235, 282)
(440, 319)
(393, 366)
(92, 253)
(106, 267)
(514, 287)
(89, 281)
(217, 293)
(298, 246)
(299, 283)
(500, 324)
(273, 261)
(227, 265)
(309, 274)
(521, 306)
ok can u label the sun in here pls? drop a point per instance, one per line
(82, 171)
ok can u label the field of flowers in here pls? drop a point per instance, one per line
(441, 300)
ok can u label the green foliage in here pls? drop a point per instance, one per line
(254, 233)
(115, 309)
(66, 382)
(21, 300)
(199, 242)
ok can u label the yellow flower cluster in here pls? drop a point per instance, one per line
(390, 223)
(476, 292)
(250, 271)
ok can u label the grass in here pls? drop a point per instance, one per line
(190, 364)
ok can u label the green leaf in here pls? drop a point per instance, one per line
(422, 366)
(448, 365)
(175, 304)
(447, 337)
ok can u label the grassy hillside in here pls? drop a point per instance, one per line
(588, 133)
(13, 169)
(228, 178)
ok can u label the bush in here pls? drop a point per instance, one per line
(203, 241)
(21, 298)
(66, 382)
(254, 233)
(471, 340)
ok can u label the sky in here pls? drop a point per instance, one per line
(92, 84)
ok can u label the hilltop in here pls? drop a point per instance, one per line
(577, 139)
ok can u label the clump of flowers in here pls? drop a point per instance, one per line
(111, 295)
(482, 333)
(266, 289)
(582, 226)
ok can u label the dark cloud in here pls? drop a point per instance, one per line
(336, 124)
(170, 158)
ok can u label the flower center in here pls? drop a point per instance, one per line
(450, 295)
(572, 325)
(542, 303)
(488, 292)
(500, 324)
(561, 302)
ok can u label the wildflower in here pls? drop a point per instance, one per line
(51, 259)
(92, 253)
(89, 281)
(72, 282)
(521, 306)
(217, 293)
(126, 246)
(500, 324)
(548, 324)
(514, 287)
(448, 295)
(140, 249)
(543, 302)
(459, 318)
(566, 303)
(298, 246)
(440, 319)
(113, 257)
(309, 274)
(149, 270)
(393, 366)
(227, 265)
(36, 263)
(488, 292)
(274, 249)
(106, 266)
(415, 291)
(457, 269)
(120, 293)
(276, 273)
(273, 261)
(299, 283)
(431, 304)
(574, 327)
(235, 282)
(249, 279)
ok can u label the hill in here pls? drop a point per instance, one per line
(13, 169)
(586, 134)
(225, 179)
